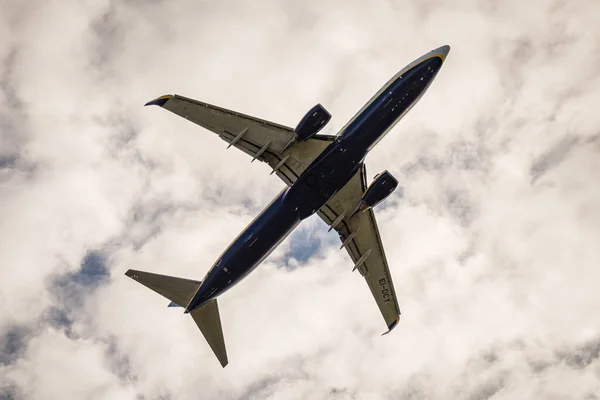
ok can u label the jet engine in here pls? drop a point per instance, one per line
(382, 186)
(312, 123)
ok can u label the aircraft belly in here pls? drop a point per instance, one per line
(260, 238)
(251, 247)
(264, 241)
(324, 178)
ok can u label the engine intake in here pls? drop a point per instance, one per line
(312, 123)
(382, 186)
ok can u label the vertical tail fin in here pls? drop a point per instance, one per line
(181, 291)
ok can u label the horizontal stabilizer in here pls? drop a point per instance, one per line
(208, 320)
(180, 291)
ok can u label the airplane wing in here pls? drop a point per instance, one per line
(263, 140)
(360, 236)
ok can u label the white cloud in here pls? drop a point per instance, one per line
(493, 249)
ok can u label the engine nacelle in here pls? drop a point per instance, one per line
(382, 186)
(312, 123)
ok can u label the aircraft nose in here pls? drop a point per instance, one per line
(442, 51)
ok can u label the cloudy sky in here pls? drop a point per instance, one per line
(494, 248)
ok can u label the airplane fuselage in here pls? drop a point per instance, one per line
(327, 174)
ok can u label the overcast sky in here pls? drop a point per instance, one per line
(494, 248)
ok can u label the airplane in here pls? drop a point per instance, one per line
(324, 174)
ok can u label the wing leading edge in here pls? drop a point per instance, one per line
(360, 236)
(263, 140)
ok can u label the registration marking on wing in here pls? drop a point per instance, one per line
(385, 293)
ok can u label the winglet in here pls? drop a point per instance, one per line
(392, 326)
(159, 101)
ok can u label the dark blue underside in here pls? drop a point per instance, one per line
(321, 180)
